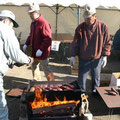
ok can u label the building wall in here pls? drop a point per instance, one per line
(67, 19)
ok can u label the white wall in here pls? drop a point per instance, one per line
(67, 19)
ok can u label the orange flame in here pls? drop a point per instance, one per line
(40, 101)
(50, 77)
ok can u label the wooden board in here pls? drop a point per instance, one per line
(110, 100)
(15, 92)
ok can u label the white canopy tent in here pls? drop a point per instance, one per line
(65, 4)
(96, 3)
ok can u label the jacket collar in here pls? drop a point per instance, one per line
(40, 17)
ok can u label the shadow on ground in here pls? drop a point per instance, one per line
(65, 69)
(14, 102)
(98, 108)
(14, 82)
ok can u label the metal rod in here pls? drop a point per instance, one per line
(78, 12)
(56, 29)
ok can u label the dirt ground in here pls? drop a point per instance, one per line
(18, 78)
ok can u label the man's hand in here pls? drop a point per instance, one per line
(24, 47)
(31, 60)
(72, 61)
(39, 53)
(104, 61)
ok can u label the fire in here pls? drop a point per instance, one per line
(40, 101)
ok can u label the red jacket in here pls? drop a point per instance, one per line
(40, 38)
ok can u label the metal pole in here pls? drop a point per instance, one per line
(78, 12)
(57, 7)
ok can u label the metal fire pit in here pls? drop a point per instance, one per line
(27, 113)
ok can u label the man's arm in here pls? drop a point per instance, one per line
(106, 51)
(47, 37)
(73, 49)
(12, 48)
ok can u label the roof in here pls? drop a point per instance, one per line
(95, 3)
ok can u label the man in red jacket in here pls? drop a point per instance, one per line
(40, 39)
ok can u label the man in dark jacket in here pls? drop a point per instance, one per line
(92, 44)
(40, 39)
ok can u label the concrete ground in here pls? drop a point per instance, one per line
(18, 78)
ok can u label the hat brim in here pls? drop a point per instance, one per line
(15, 24)
(86, 16)
(30, 11)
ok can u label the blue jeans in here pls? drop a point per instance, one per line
(86, 67)
(3, 103)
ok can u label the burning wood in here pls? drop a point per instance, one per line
(54, 101)
(62, 108)
(40, 100)
(58, 99)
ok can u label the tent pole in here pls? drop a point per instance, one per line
(78, 12)
(57, 7)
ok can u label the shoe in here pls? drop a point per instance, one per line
(95, 93)
(83, 92)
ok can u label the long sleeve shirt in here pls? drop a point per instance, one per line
(10, 48)
(91, 42)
